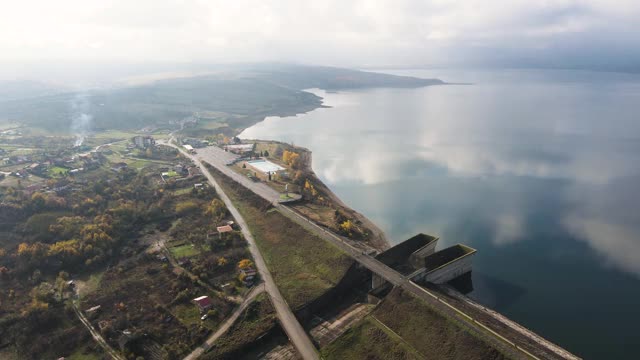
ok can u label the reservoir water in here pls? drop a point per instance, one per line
(537, 169)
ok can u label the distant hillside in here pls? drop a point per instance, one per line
(239, 97)
(21, 89)
(331, 78)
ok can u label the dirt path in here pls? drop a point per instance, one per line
(226, 325)
(94, 333)
(328, 330)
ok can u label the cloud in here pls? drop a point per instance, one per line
(386, 32)
(509, 228)
(616, 242)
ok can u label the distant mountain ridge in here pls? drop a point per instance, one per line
(333, 78)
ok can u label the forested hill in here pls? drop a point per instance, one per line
(332, 78)
(242, 96)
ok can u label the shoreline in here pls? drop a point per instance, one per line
(380, 242)
(378, 238)
(502, 332)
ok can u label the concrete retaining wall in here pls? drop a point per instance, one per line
(398, 257)
(377, 281)
(416, 259)
(446, 272)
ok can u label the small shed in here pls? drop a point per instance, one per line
(224, 229)
(249, 275)
(203, 303)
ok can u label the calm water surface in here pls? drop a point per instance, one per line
(538, 170)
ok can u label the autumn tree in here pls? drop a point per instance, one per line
(216, 209)
(55, 202)
(286, 156)
(35, 251)
(245, 264)
(296, 161)
(67, 251)
(185, 207)
(67, 227)
(347, 227)
(310, 189)
(38, 201)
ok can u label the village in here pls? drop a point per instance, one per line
(188, 251)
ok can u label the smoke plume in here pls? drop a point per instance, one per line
(80, 118)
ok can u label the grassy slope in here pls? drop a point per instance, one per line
(429, 332)
(404, 327)
(303, 265)
(255, 321)
(369, 340)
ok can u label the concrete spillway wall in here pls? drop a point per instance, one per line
(403, 256)
(418, 259)
(445, 265)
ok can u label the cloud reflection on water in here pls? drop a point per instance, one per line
(453, 136)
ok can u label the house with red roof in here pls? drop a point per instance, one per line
(203, 303)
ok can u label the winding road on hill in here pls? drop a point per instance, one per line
(288, 321)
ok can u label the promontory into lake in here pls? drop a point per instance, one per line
(319, 180)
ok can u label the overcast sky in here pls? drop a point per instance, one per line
(372, 33)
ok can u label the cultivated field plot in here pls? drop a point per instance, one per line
(146, 300)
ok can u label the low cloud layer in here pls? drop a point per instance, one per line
(590, 33)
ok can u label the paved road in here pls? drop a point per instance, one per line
(289, 323)
(226, 325)
(218, 158)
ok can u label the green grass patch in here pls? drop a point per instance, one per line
(430, 332)
(303, 265)
(188, 314)
(92, 283)
(212, 124)
(183, 251)
(57, 171)
(255, 321)
(85, 354)
(182, 191)
(369, 340)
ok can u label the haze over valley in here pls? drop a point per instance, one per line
(319, 180)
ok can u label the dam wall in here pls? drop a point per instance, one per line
(445, 265)
(418, 260)
(400, 256)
